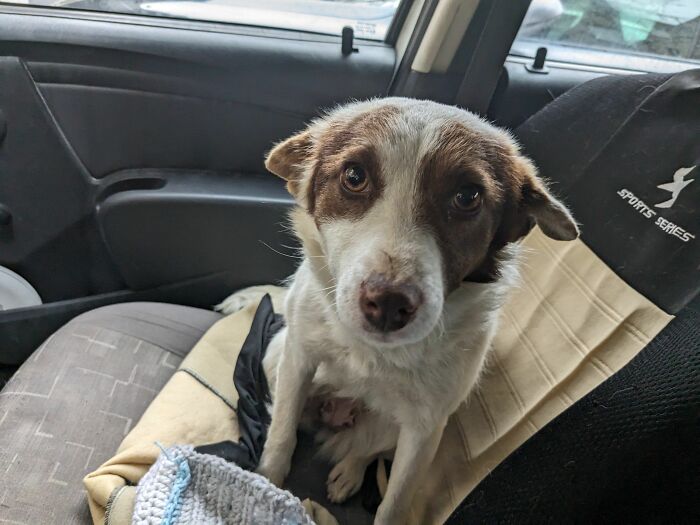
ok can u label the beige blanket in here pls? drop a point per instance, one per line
(570, 325)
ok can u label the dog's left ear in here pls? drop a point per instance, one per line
(288, 160)
(538, 204)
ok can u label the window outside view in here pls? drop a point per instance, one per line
(369, 18)
(663, 28)
(637, 28)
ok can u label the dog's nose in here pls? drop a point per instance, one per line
(389, 307)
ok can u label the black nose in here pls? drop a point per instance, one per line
(388, 307)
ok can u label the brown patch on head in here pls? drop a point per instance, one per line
(512, 199)
(345, 143)
(461, 159)
(312, 165)
(287, 160)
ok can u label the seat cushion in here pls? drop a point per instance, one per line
(72, 402)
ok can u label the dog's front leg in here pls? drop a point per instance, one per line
(294, 375)
(415, 451)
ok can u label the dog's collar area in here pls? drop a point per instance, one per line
(480, 278)
(489, 271)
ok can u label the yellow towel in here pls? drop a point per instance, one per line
(570, 325)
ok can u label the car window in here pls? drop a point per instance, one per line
(369, 18)
(646, 28)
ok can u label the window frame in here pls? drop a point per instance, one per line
(397, 22)
(395, 26)
(582, 57)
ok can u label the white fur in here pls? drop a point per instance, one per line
(410, 380)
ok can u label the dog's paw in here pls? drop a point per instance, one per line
(345, 479)
(240, 299)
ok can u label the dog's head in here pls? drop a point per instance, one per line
(405, 200)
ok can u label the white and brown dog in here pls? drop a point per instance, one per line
(407, 213)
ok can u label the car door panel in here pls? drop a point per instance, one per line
(201, 132)
(43, 186)
(191, 224)
(133, 160)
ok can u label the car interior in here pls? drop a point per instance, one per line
(134, 198)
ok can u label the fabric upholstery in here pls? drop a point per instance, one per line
(626, 453)
(622, 152)
(69, 406)
(195, 407)
(569, 326)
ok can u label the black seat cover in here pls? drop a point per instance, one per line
(607, 146)
(625, 453)
(618, 150)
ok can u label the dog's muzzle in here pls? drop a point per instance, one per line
(388, 306)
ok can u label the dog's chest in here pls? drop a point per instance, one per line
(347, 374)
(417, 393)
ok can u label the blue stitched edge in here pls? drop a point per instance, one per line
(174, 503)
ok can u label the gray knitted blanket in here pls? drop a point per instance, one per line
(184, 487)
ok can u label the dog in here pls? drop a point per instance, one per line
(409, 213)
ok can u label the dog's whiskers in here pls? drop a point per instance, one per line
(279, 252)
(300, 253)
(295, 248)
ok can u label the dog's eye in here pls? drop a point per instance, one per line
(354, 179)
(467, 199)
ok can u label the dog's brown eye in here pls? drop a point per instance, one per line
(355, 179)
(467, 199)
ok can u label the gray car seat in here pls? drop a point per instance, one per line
(71, 403)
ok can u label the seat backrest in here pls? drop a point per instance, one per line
(624, 152)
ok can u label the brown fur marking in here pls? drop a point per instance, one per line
(344, 143)
(512, 195)
(470, 245)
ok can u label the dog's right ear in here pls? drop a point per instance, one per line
(289, 159)
(538, 205)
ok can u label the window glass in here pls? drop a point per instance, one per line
(659, 28)
(369, 18)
